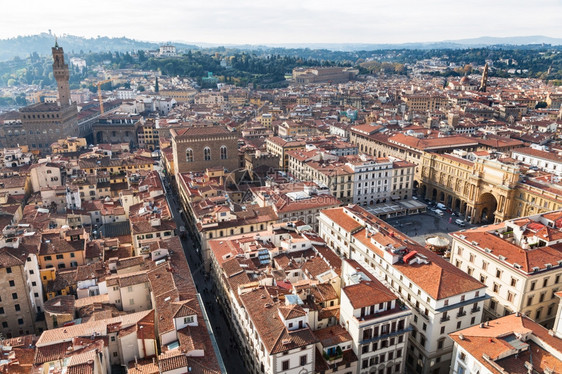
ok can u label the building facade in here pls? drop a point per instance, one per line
(421, 279)
(520, 263)
(199, 148)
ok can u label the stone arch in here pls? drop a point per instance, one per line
(457, 205)
(434, 194)
(441, 196)
(423, 190)
(487, 205)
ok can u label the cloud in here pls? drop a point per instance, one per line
(288, 21)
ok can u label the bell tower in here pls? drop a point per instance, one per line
(484, 80)
(62, 75)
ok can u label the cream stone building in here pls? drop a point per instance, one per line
(519, 261)
(442, 298)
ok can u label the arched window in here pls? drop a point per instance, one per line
(223, 152)
(207, 153)
(189, 155)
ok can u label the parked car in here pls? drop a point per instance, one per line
(460, 222)
(439, 212)
(183, 232)
(441, 206)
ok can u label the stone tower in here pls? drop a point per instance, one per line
(61, 74)
(484, 80)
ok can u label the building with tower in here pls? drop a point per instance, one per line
(42, 124)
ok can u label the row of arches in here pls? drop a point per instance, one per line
(481, 211)
(189, 155)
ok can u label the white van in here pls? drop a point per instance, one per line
(439, 212)
(460, 222)
(441, 206)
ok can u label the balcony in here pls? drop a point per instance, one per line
(445, 319)
(333, 357)
(475, 310)
(461, 314)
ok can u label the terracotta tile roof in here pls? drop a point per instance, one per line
(67, 333)
(60, 305)
(513, 254)
(494, 340)
(330, 336)
(438, 278)
(369, 293)
(343, 220)
(273, 333)
(538, 153)
(143, 366)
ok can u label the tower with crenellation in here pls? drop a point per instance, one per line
(62, 75)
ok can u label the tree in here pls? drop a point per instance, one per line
(141, 88)
(156, 87)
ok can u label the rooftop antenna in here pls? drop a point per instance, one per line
(56, 42)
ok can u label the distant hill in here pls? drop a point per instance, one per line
(23, 46)
(482, 42)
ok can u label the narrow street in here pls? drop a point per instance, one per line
(206, 288)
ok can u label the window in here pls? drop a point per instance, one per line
(303, 360)
(285, 365)
(513, 282)
(15, 296)
(131, 301)
(545, 282)
(60, 257)
(130, 289)
(498, 273)
(529, 300)
(12, 283)
(189, 155)
(533, 286)
(510, 297)
(188, 319)
(1, 310)
(5, 325)
(17, 307)
(496, 288)
(8, 270)
(223, 153)
(47, 258)
(207, 153)
(442, 330)
(20, 321)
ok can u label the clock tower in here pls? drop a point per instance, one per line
(61, 74)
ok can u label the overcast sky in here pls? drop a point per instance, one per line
(287, 21)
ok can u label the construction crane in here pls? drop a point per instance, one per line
(100, 99)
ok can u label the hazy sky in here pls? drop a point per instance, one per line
(288, 21)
